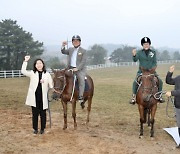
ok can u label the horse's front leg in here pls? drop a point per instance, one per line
(74, 113)
(141, 112)
(141, 128)
(65, 114)
(153, 111)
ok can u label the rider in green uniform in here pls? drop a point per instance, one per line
(147, 60)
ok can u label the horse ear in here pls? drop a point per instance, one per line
(152, 70)
(63, 70)
(54, 71)
(142, 69)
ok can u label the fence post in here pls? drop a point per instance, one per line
(4, 74)
(12, 74)
(19, 73)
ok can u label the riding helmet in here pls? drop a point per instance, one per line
(145, 40)
(76, 37)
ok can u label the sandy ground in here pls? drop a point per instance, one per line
(16, 137)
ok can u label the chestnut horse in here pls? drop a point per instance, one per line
(146, 99)
(64, 86)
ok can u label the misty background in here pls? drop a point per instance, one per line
(107, 28)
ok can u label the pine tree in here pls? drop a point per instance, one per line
(15, 43)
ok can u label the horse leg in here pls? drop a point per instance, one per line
(89, 109)
(148, 117)
(141, 112)
(65, 114)
(74, 113)
(153, 111)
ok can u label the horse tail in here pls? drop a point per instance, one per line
(145, 114)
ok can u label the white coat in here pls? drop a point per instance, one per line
(34, 79)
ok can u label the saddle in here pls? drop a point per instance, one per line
(86, 88)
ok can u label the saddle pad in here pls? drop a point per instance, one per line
(86, 88)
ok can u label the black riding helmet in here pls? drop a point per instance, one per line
(76, 37)
(145, 40)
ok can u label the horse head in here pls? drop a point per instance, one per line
(148, 82)
(69, 73)
(59, 83)
(148, 71)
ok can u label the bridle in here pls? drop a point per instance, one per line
(60, 90)
(152, 83)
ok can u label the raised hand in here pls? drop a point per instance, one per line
(168, 94)
(134, 52)
(64, 43)
(171, 69)
(26, 58)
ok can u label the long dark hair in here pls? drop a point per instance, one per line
(34, 65)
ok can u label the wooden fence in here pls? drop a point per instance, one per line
(17, 73)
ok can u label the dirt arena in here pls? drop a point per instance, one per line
(113, 127)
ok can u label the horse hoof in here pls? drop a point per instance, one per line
(140, 136)
(152, 138)
(64, 128)
(75, 127)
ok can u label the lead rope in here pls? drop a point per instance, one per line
(172, 101)
(49, 111)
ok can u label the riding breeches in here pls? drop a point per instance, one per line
(135, 86)
(81, 81)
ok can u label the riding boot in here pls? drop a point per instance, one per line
(81, 101)
(161, 100)
(133, 99)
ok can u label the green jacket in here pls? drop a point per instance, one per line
(146, 61)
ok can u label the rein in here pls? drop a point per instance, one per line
(60, 90)
(146, 76)
(74, 82)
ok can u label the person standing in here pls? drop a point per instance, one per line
(77, 61)
(40, 82)
(176, 93)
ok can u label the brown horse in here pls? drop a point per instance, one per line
(63, 85)
(146, 99)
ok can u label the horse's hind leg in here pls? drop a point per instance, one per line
(65, 114)
(153, 111)
(74, 113)
(89, 109)
(149, 118)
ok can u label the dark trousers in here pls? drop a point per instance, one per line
(35, 114)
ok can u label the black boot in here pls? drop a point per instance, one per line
(81, 101)
(161, 100)
(133, 99)
(42, 131)
(35, 131)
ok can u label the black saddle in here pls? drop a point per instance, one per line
(86, 88)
